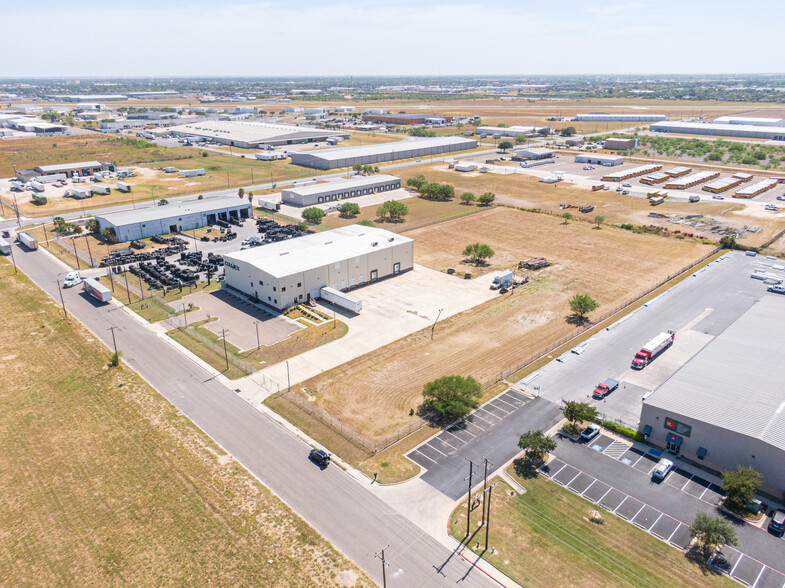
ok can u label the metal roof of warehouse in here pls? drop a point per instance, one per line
(687, 126)
(384, 148)
(318, 249)
(735, 382)
(250, 132)
(68, 166)
(342, 184)
(143, 215)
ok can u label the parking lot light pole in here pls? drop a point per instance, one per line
(258, 344)
(226, 353)
(469, 501)
(114, 343)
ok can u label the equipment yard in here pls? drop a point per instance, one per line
(375, 392)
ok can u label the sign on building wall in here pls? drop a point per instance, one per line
(680, 428)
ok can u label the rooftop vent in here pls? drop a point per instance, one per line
(374, 244)
(285, 253)
(391, 239)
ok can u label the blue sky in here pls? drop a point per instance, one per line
(388, 37)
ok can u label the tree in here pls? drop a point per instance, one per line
(544, 132)
(567, 216)
(59, 224)
(357, 167)
(521, 139)
(366, 223)
(583, 304)
(349, 209)
(393, 209)
(416, 182)
(505, 145)
(468, 198)
(486, 198)
(92, 225)
(599, 219)
(712, 532)
(452, 396)
(535, 445)
(313, 215)
(250, 197)
(567, 132)
(741, 486)
(109, 235)
(728, 242)
(478, 252)
(578, 411)
(241, 193)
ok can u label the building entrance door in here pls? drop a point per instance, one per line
(673, 443)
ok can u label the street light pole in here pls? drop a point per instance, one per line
(288, 379)
(90, 253)
(226, 353)
(114, 343)
(469, 501)
(76, 254)
(258, 344)
(436, 321)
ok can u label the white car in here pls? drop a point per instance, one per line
(590, 432)
(662, 469)
(72, 279)
(781, 197)
(627, 185)
(718, 197)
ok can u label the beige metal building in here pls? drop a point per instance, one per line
(726, 407)
(283, 274)
(339, 189)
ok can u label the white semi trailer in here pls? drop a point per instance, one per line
(30, 242)
(341, 299)
(97, 290)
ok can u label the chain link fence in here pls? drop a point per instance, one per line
(246, 367)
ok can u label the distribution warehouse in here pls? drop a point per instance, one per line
(604, 117)
(290, 272)
(371, 154)
(170, 218)
(720, 130)
(725, 407)
(251, 134)
(340, 189)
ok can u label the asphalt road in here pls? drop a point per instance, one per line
(351, 518)
(682, 506)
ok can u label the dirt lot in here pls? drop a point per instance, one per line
(375, 392)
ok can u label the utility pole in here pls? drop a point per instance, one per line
(226, 353)
(484, 489)
(384, 565)
(76, 254)
(114, 343)
(90, 253)
(333, 318)
(469, 500)
(46, 235)
(141, 286)
(436, 321)
(288, 379)
(488, 521)
(258, 345)
(111, 277)
(185, 318)
(127, 289)
(16, 206)
(62, 301)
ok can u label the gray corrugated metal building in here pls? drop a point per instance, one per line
(182, 216)
(340, 189)
(727, 405)
(720, 130)
(372, 154)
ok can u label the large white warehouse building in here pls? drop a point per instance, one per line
(720, 130)
(283, 274)
(251, 134)
(170, 218)
(373, 154)
(513, 131)
(340, 189)
(604, 117)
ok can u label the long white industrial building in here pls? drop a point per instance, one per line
(603, 117)
(758, 121)
(721, 130)
(513, 131)
(339, 189)
(373, 154)
(170, 218)
(289, 272)
(251, 134)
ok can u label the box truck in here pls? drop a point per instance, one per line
(105, 190)
(123, 187)
(605, 388)
(96, 290)
(269, 205)
(341, 299)
(30, 242)
(5, 247)
(502, 280)
(652, 349)
(37, 186)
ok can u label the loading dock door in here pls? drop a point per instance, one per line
(172, 229)
(396, 268)
(374, 275)
(211, 219)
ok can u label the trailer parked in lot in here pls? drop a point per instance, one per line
(123, 187)
(192, 173)
(37, 186)
(652, 349)
(80, 193)
(105, 190)
(30, 242)
(5, 247)
(97, 290)
(341, 299)
(269, 205)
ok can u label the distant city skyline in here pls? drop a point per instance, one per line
(396, 37)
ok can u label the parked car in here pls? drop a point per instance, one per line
(627, 185)
(776, 289)
(319, 456)
(781, 197)
(588, 167)
(72, 279)
(662, 469)
(590, 432)
(718, 197)
(777, 523)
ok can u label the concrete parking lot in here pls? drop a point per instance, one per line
(616, 475)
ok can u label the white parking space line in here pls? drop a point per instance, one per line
(482, 419)
(604, 495)
(704, 492)
(655, 522)
(560, 469)
(589, 486)
(571, 481)
(736, 565)
(755, 583)
(487, 412)
(688, 481)
(674, 532)
(436, 450)
(507, 403)
(637, 460)
(421, 453)
(622, 502)
(441, 438)
(456, 436)
(632, 518)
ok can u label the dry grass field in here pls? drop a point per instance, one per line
(106, 483)
(374, 393)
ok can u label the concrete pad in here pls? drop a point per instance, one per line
(629, 508)
(681, 538)
(566, 475)
(664, 527)
(686, 345)
(392, 309)
(747, 570)
(596, 491)
(646, 518)
(770, 579)
(579, 484)
(612, 499)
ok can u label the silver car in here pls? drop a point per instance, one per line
(662, 469)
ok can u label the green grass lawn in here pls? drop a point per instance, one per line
(544, 538)
(104, 482)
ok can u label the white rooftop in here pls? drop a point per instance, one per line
(749, 120)
(384, 148)
(735, 382)
(341, 184)
(248, 131)
(318, 249)
(142, 215)
(67, 166)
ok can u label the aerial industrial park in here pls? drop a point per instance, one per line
(394, 330)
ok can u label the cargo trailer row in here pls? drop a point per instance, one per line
(756, 188)
(633, 172)
(691, 180)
